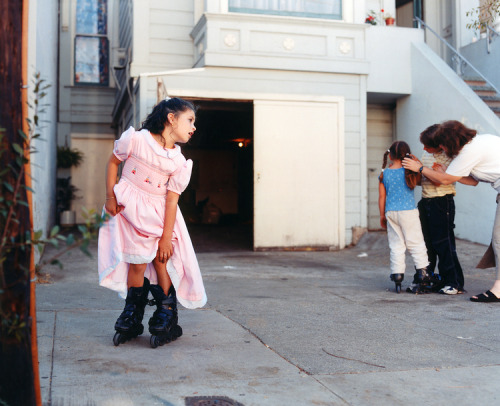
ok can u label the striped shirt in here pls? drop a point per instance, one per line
(429, 190)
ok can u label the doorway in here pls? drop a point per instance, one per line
(218, 202)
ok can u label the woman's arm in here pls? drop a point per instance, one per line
(165, 249)
(111, 204)
(381, 204)
(443, 178)
(469, 181)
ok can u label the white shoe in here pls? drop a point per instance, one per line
(448, 290)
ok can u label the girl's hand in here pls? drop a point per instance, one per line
(383, 222)
(165, 249)
(112, 207)
(439, 167)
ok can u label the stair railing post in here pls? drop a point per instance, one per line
(457, 54)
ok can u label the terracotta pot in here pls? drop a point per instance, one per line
(389, 21)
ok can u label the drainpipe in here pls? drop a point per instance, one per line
(417, 12)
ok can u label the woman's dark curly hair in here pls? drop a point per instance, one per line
(399, 150)
(427, 137)
(157, 120)
(453, 135)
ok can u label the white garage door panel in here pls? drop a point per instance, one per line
(298, 169)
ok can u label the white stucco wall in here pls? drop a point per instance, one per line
(439, 95)
(465, 35)
(388, 49)
(42, 58)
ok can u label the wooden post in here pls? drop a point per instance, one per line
(29, 198)
(17, 381)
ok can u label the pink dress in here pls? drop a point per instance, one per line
(132, 236)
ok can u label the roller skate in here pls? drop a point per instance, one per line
(397, 278)
(163, 324)
(129, 324)
(422, 282)
(436, 282)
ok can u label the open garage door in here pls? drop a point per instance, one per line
(298, 174)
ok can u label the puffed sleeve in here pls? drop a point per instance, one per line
(123, 146)
(180, 178)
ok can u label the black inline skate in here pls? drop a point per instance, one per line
(397, 278)
(422, 282)
(163, 324)
(435, 282)
(129, 324)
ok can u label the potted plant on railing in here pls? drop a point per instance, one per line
(371, 18)
(387, 17)
(67, 158)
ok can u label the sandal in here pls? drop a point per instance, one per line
(486, 297)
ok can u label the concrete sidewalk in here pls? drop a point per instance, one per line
(280, 328)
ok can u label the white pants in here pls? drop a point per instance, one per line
(405, 232)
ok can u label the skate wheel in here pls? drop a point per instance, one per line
(154, 341)
(117, 339)
(398, 288)
(177, 332)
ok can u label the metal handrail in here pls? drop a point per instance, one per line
(490, 32)
(489, 27)
(457, 54)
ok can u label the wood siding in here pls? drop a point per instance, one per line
(379, 139)
(162, 35)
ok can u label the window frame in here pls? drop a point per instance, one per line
(76, 35)
(243, 10)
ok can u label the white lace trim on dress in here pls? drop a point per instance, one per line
(137, 259)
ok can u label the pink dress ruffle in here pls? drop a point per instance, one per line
(132, 236)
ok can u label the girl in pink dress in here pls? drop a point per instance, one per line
(145, 246)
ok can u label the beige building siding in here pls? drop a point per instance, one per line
(379, 139)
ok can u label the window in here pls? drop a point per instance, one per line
(91, 43)
(331, 9)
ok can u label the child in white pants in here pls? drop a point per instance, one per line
(398, 213)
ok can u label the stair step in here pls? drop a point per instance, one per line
(475, 82)
(484, 87)
(491, 101)
(484, 90)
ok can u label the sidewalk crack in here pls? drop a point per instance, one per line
(49, 401)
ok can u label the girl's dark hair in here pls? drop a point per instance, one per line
(156, 121)
(399, 150)
(427, 137)
(453, 135)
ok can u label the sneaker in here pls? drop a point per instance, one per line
(449, 290)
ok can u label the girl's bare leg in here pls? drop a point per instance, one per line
(135, 278)
(163, 277)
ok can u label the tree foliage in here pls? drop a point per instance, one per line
(484, 15)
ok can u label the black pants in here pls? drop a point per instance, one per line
(437, 216)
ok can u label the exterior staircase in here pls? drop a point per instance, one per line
(486, 93)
